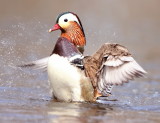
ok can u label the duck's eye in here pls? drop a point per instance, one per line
(65, 20)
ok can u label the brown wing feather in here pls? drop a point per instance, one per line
(112, 64)
(91, 68)
(94, 63)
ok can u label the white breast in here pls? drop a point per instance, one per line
(65, 79)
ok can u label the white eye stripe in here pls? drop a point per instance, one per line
(69, 17)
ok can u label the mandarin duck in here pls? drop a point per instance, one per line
(75, 77)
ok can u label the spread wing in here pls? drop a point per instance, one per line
(112, 64)
(38, 64)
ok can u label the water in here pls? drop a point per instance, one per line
(25, 95)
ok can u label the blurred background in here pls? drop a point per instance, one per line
(24, 37)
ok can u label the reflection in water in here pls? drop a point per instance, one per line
(25, 95)
(78, 112)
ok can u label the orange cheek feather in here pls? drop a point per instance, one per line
(74, 34)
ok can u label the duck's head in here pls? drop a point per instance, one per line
(71, 28)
